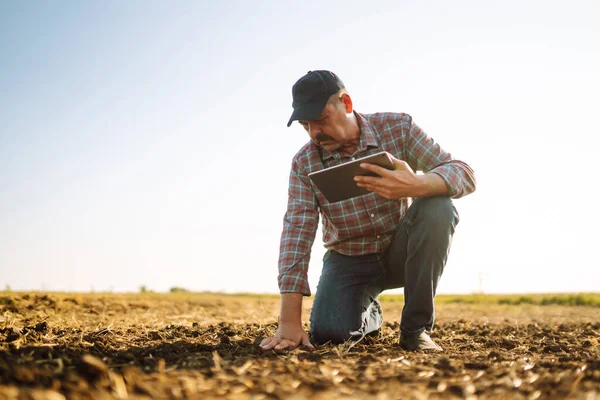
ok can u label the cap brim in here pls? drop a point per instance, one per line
(307, 112)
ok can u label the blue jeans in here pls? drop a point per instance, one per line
(345, 305)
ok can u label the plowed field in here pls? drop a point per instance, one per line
(95, 346)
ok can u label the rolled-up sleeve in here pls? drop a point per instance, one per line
(422, 153)
(300, 225)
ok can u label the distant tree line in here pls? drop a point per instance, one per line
(174, 289)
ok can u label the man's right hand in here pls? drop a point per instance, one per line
(287, 336)
(290, 333)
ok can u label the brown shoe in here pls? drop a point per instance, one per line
(420, 342)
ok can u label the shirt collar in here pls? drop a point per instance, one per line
(368, 137)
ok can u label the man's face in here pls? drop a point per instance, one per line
(330, 129)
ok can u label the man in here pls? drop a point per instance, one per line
(376, 241)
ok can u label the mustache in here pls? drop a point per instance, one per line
(322, 137)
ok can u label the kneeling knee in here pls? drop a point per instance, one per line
(323, 334)
(438, 210)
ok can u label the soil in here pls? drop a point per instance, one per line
(97, 346)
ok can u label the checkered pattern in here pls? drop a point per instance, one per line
(364, 224)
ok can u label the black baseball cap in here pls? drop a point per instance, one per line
(311, 93)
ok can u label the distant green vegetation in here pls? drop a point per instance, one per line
(566, 299)
(177, 289)
(179, 293)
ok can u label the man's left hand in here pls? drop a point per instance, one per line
(402, 182)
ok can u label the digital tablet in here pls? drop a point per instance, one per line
(337, 183)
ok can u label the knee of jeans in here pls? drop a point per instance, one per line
(439, 211)
(322, 333)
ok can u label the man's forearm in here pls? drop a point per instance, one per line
(291, 309)
(459, 176)
(433, 185)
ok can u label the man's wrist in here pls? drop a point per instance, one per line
(291, 309)
(290, 321)
(432, 185)
(423, 188)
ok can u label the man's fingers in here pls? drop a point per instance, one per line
(363, 180)
(280, 344)
(368, 180)
(370, 188)
(269, 345)
(306, 342)
(382, 191)
(277, 343)
(285, 343)
(271, 342)
(376, 168)
(398, 164)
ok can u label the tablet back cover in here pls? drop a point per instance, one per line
(337, 182)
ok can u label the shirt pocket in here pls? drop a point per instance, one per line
(347, 218)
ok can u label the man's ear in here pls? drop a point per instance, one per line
(347, 102)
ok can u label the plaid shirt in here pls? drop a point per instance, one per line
(364, 224)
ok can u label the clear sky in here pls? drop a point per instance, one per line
(145, 142)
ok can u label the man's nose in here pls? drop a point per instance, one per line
(313, 129)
